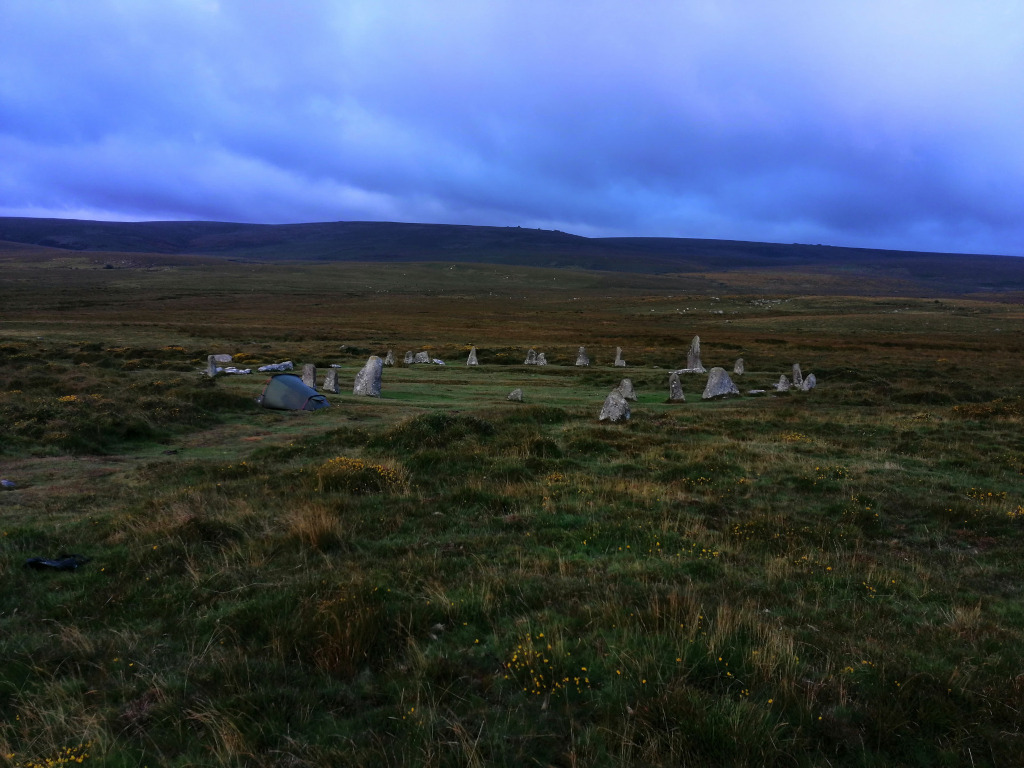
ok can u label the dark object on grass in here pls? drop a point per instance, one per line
(8, 485)
(63, 563)
(287, 392)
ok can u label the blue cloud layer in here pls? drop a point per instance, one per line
(882, 124)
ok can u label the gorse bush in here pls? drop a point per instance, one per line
(358, 476)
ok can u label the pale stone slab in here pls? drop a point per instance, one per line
(368, 379)
(421, 357)
(471, 360)
(625, 388)
(409, 359)
(809, 383)
(783, 384)
(516, 396)
(719, 385)
(309, 375)
(693, 363)
(541, 360)
(331, 382)
(389, 358)
(531, 357)
(740, 367)
(675, 388)
(615, 407)
(581, 357)
(798, 377)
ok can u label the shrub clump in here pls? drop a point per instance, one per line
(358, 476)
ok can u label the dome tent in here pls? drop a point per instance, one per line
(286, 392)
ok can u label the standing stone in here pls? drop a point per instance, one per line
(619, 362)
(615, 407)
(581, 357)
(541, 360)
(211, 366)
(798, 377)
(309, 375)
(516, 396)
(625, 389)
(389, 358)
(368, 379)
(719, 385)
(693, 363)
(409, 360)
(739, 368)
(331, 382)
(222, 358)
(675, 388)
(422, 357)
(809, 383)
(783, 385)
(531, 357)
(471, 360)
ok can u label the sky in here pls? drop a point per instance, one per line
(886, 124)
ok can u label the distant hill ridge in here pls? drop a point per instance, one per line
(389, 241)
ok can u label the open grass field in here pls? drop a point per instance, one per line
(444, 578)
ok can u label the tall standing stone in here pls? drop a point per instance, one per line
(740, 367)
(719, 385)
(625, 389)
(471, 360)
(309, 375)
(389, 358)
(368, 379)
(581, 357)
(783, 385)
(693, 362)
(675, 388)
(798, 377)
(541, 360)
(809, 383)
(531, 357)
(615, 407)
(331, 382)
(409, 359)
(619, 362)
(211, 366)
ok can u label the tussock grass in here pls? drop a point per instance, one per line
(442, 577)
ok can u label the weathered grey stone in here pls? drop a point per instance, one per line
(421, 357)
(693, 363)
(756, 391)
(809, 383)
(516, 396)
(615, 407)
(783, 385)
(409, 359)
(368, 379)
(389, 358)
(798, 377)
(331, 382)
(675, 388)
(222, 358)
(531, 357)
(541, 360)
(619, 362)
(581, 357)
(211, 366)
(309, 375)
(719, 385)
(740, 367)
(471, 360)
(625, 388)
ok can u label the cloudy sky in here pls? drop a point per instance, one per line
(888, 123)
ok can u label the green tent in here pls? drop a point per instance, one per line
(286, 392)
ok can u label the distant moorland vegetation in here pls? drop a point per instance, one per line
(442, 577)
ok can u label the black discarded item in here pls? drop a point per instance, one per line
(63, 563)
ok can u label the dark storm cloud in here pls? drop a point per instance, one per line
(879, 124)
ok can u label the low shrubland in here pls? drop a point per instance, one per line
(823, 578)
